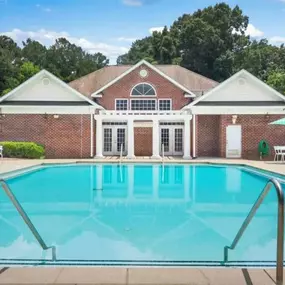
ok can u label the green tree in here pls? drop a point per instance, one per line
(34, 52)
(27, 70)
(276, 79)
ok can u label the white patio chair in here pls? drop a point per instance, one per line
(282, 152)
(1, 151)
(279, 152)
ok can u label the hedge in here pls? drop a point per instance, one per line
(23, 150)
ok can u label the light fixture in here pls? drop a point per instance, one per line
(234, 119)
(56, 116)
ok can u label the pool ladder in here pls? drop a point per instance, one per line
(26, 219)
(280, 227)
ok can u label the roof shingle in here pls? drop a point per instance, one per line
(92, 82)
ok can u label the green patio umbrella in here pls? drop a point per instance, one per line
(279, 122)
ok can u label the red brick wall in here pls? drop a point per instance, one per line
(163, 87)
(254, 129)
(65, 137)
(208, 135)
(143, 141)
(211, 134)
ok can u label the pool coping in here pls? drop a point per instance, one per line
(222, 162)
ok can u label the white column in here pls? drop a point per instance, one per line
(186, 142)
(194, 136)
(91, 135)
(155, 139)
(131, 142)
(99, 140)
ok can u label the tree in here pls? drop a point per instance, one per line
(205, 41)
(34, 52)
(27, 70)
(63, 59)
(276, 79)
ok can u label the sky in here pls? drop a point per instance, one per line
(110, 26)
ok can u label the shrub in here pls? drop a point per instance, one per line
(23, 150)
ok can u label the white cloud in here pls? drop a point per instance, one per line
(156, 29)
(277, 40)
(133, 2)
(253, 31)
(48, 38)
(125, 39)
(45, 9)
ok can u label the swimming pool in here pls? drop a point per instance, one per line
(139, 214)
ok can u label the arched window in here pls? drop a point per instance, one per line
(143, 89)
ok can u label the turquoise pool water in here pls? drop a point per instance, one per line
(139, 214)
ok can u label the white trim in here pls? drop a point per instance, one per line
(144, 96)
(98, 96)
(232, 78)
(237, 110)
(194, 136)
(115, 107)
(160, 99)
(92, 135)
(55, 110)
(143, 99)
(46, 73)
(151, 67)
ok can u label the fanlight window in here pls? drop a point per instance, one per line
(143, 89)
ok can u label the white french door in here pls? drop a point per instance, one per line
(171, 138)
(114, 138)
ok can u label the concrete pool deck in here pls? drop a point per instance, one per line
(143, 276)
(138, 276)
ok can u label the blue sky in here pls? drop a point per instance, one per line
(109, 26)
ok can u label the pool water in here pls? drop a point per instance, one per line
(139, 214)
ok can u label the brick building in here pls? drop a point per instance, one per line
(143, 110)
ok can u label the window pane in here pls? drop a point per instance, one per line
(122, 105)
(165, 105)
(143, 89)
(143, 104)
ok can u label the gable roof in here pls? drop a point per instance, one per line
(45, 73)
(241, 73)
(186, 79)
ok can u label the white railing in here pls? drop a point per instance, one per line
(155, 112)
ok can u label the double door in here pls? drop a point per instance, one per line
(114, 140)
(171, 140)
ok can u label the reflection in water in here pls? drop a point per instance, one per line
(138, 212)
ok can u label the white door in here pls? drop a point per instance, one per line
(233, 136)
(114, 139)
(171, 137)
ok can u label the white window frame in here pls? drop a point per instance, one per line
(143, 96)
(160, 99)
(125, 99)
(143, 99)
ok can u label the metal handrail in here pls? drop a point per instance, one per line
(280, 227)
(26, 219)
(162, 150)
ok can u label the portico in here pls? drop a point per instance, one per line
(171, 132)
